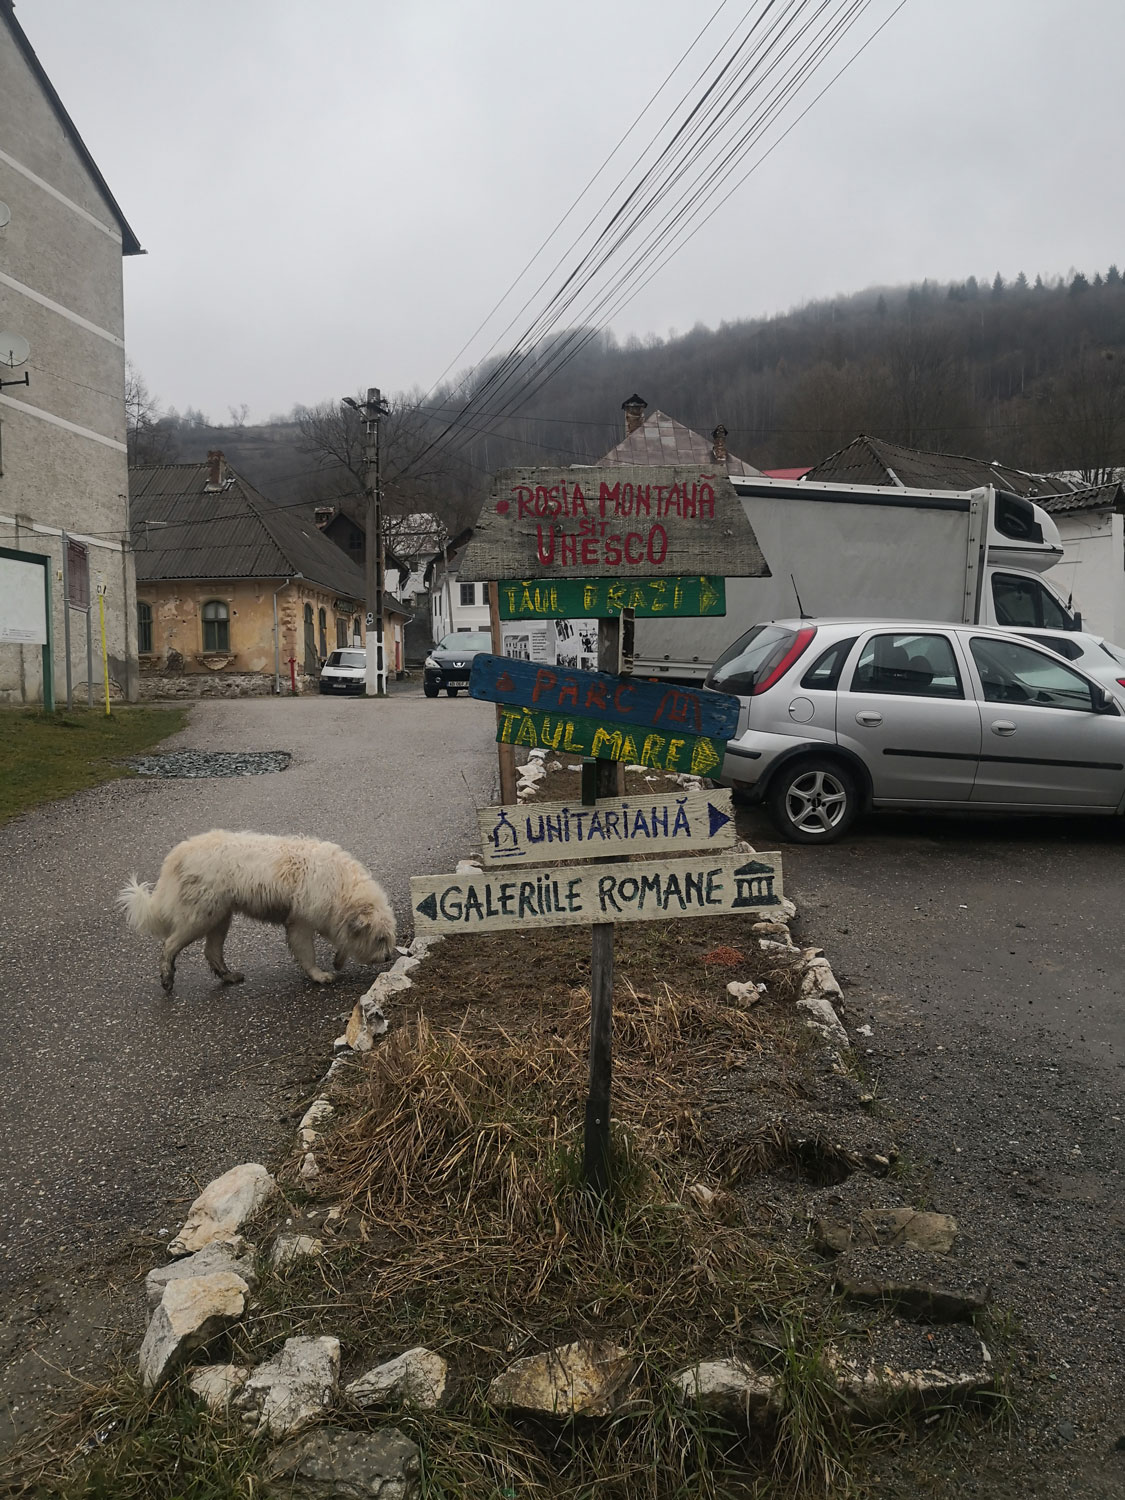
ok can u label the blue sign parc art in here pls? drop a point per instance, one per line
(656, 824)
(631, 702)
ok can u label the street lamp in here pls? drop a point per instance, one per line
(371, 411)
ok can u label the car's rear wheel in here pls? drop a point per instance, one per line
(813, 801)
(430, 689)
(452, 692)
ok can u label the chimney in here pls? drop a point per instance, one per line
(217, 465)
(719, 444)
(323, 514)
(634, 409)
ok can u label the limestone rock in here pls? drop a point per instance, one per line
(747, 993)
(310, 1167)
(820, 993)
(192, 1311)
(294, 1388)
(729, 1387)
(223, 1207)
(218, 1385)
(419, 1376)
(341, 1465)
(422, 945)
(319, 1113)
(582, 1379)
(888, 1226)
(908, 1365)
(221, 1255)
(289, 1248)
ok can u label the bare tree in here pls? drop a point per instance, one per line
(150, 434)
(1084, 417)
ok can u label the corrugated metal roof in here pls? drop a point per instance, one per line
(660, 439)
(869, 460)
(183, 529)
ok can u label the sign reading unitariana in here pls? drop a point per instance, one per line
(655, 824)
(706, 885)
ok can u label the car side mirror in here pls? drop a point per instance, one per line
(1104, 703)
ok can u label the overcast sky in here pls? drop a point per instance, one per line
(333, 193)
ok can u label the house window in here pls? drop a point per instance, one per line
(356, 632)
(216, 626)
(355, 542)
(468, 593)
(322, 622)
(341, 631)
(144, 627)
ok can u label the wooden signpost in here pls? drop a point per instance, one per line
(620, 523)
(596, 543)
(657, 824)
(605, 598)
(699, 885)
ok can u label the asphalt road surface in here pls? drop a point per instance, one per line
(988, 959)
(117, 1102)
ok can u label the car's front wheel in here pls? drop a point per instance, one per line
(813, 801)
(430, 689)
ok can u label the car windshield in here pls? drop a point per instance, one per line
(346, 659)
(466, 640)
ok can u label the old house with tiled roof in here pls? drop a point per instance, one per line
(234, 593)
(660, 439)
(63, 458)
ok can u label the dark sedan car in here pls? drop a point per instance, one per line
(450, 662)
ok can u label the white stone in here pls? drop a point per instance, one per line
(582, 1379)
(222, 1255)
(422, 945)
(745, 992)
(288, 1248)
(310, 1167)
(319, 1113)
(191, 1312)
(786, 910)
(818, 979)
(874, 1387)
(295, 1388)
(223, 1207)
(824, 1019)
(419, 1376)
(701, 1194)
(218, 1385)
(729, 1387)
(339, 1465)
(468, 867)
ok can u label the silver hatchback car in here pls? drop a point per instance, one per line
(842, 715)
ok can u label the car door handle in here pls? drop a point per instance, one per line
(872, 719)
(1003, 726)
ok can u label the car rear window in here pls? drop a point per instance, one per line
(754, 660)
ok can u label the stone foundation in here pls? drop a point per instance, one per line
(216, 685)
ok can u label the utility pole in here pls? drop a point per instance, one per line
(373, 556)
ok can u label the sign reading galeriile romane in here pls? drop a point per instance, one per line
(612, 523)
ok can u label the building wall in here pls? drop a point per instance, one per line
(177, 625)
(1093, 569)
(62, 439)
(450, 615)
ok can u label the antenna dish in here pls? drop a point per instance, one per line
(14, 349)
(5, 215)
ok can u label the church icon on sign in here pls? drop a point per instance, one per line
(753, 885)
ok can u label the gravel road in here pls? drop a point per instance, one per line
(989, 960)
(117, 1103)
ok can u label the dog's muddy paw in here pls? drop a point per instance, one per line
(318, 976)
(232, 976)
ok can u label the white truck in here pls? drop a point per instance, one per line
(844, 549)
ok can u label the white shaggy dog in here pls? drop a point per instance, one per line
(308, 885)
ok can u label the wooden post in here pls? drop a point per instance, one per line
(506, 754)
(607, 778)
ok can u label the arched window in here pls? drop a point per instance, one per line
(322, 622)
(144, 627)
(341, 631)
(357, 633)
(216, 626)
(311, 664)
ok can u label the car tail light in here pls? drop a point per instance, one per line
(1121, 682)
(801, 643)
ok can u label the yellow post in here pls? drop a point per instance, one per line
(105, 658)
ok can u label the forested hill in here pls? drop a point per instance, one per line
(1031, 374)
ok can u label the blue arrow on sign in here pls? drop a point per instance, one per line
(716, 819)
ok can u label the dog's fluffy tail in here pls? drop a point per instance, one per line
(136, 900)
